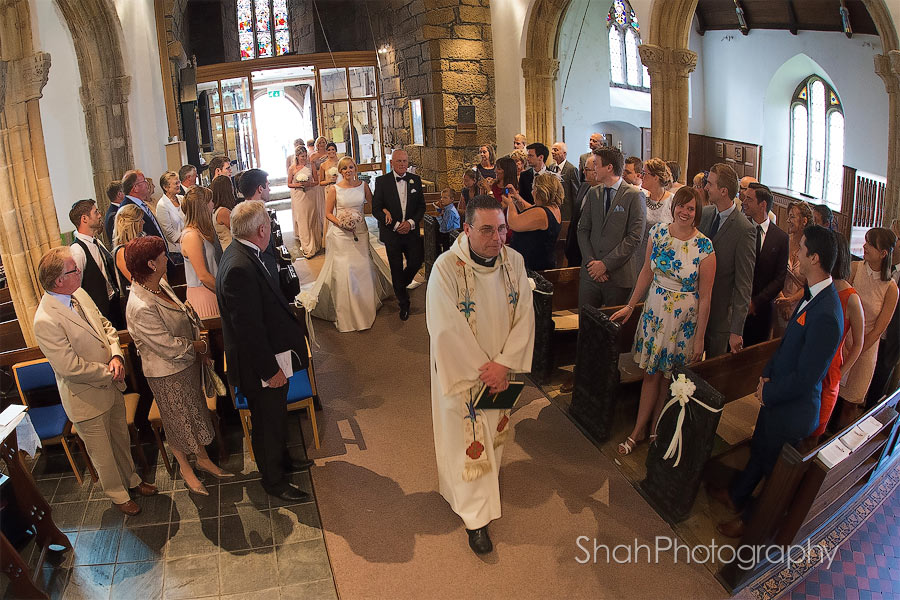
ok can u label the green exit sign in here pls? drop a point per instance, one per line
(274, 93)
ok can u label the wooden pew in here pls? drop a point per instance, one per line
(11, 337)
(803, 495)
(7, 310)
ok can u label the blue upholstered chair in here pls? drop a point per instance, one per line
(50, 422)
(302, 394)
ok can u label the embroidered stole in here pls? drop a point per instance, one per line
(476, 462)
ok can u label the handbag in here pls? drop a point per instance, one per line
(212, 383)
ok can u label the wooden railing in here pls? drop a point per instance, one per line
(863, 198)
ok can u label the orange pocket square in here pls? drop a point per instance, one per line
(801, 319)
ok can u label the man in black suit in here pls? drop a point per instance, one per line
(116, 195)
(537, 161)
(399, 205)
(569, 176)
(137, 192)
(771, 264)
(261, 334)
(98, 269)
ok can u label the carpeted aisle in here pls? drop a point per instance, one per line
(389, 533)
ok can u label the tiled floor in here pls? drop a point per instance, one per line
(867, 566)
(236, 543)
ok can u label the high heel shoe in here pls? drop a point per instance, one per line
(223, 475)
(200, 490)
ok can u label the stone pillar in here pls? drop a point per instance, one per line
(28, 225)
(540, 93)
(670, 69)
(105, 103)
(887, 66)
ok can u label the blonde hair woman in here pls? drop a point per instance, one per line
(129, 226)
(202, 251)
(800, 215)
(656, 179)
(349, 288)
(536, 226)
(168, 211)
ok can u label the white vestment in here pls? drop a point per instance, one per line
(456, 355)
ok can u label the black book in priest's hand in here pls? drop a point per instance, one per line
(501, 400)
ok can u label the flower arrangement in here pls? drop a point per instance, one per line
(349, 219)
(332, 173)
(307, 300)
(682, 389)
(301, 177)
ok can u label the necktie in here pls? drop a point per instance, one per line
(807, 295)
(758, 239)
(715, 225)
(609, 192)
(76, 306)
(401, 178)
(110, 290)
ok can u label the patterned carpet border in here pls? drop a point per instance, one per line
(774, 586)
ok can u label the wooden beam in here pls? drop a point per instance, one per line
(845, 20)
(701, 23)
(165, 67)
(792, 14)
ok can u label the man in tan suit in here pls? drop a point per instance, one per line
(83, 349)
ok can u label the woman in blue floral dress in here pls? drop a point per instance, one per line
(679, 269)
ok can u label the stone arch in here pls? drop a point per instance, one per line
(97, 36)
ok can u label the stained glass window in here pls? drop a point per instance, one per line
(263, 28)
(817, 142)
(625, 67)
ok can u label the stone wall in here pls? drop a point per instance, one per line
(303, 26)
(439, 51)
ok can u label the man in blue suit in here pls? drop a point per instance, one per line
(790, 389)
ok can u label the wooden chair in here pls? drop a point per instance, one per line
(302, 394)
(51, 423)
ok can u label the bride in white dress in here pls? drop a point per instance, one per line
(350, 288)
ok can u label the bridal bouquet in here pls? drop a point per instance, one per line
(301, 177)
(349, 219)
(332, 173)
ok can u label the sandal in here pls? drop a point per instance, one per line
(626, 447)
(652, 438)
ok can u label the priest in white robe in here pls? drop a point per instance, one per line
(481, 322)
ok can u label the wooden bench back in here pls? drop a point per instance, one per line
(737, 375)
(11, 337)
(565, 287)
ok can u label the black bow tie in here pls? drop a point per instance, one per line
(403, 178)
(807, 295)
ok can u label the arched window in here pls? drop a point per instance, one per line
(817, 141)
(263, 28)
(625, 67)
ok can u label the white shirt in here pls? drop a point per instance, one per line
(765, 229)
(80, 259)
(66, 300)
(402, 188)
(171, 221)
(724, 214)
(813, 290)
(256, 251)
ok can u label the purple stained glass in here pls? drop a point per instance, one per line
(262, 19)
(246, 44)
(282, 42)
(244, 16)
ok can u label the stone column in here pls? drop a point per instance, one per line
(540, 93)
(28, 225)
(105, 103)
(670, 69)
(887, 66)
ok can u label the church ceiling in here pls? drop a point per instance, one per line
(790, 15)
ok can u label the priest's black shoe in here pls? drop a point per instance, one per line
(290, 493)
(404, 313)
(479, 540)
(292, 465)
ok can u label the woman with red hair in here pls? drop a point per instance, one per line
(166, 333)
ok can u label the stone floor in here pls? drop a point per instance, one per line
(238, 542)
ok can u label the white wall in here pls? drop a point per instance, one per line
(753, 105)
(146, 106)
(508, 30)
(62, 116)
(65, 137)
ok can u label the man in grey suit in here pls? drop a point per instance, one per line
(734, 240)
(595, 143)
(569, 175)
(609, 232)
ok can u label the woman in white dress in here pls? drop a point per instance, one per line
(307, 226)
(349, 288)
(656, 178)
